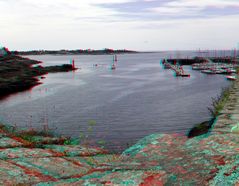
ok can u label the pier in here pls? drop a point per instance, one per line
(176, 68)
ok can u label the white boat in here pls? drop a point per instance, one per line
(231, 78)
(208, 71)
(230, 70)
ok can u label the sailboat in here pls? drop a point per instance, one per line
(113, 66)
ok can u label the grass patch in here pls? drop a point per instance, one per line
(35, 138)
(219, 102)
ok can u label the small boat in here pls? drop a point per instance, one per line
(207, 71)
(231, 78)
(219, 71)
(230, 70)
(196, 68)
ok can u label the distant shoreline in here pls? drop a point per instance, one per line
(74, 52)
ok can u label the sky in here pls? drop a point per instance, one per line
(142, 25)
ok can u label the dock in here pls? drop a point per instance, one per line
(176, 68)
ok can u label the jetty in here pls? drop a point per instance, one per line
(176, 68)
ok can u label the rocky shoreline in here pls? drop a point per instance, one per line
(18, 73)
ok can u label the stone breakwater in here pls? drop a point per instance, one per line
(158, 159)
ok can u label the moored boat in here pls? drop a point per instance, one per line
(220, 71)
(231, 70)
(208, 72)
(231, 78)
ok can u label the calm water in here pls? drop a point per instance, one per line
(137, 99)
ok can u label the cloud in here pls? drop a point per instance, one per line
(118, 23)
(56, 11)
(199, 8)
(53, 8)
(174, 9)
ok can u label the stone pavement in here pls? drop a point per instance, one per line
(158, 159)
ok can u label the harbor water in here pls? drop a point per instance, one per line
(114, 108)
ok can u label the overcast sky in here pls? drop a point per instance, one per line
(131, 24)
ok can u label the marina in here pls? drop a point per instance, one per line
(205, 65)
